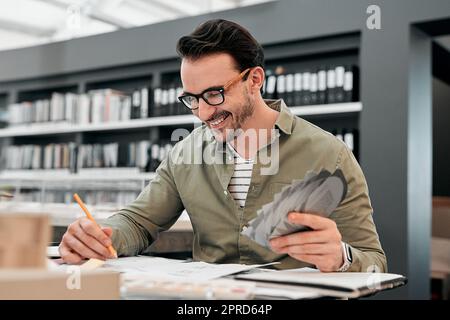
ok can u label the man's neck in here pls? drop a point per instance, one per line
(259, 126)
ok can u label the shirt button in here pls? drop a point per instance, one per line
(225, 192)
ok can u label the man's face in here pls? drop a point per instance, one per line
(215, 71)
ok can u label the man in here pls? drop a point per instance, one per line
(222, 74)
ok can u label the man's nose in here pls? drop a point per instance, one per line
(205, 111)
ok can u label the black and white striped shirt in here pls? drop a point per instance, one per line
(240, 180)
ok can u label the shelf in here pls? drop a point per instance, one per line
(64, 214)
(351, 107)
(63, 175)
(61, 128)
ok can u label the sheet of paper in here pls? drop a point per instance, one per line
(261, 292)
(53, 252)
(175, 269)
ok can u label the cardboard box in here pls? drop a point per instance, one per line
(23, 240)
(59, 285)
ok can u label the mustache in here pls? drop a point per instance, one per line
(218, 115)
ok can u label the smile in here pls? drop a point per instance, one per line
(218, 120)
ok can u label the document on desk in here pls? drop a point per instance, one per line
(154, 286)
(171, 269)
(335, 284)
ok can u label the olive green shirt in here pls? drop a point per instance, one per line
(201, 187)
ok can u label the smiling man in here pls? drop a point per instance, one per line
(222, 70)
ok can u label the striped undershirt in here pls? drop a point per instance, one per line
(240, 180)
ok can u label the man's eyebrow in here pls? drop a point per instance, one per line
(209, 88)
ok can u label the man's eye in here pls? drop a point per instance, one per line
(212, 94)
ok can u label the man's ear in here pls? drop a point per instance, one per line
(256, 78)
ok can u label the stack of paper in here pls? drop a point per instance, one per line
(171, 269)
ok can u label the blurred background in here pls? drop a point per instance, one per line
(88, 104)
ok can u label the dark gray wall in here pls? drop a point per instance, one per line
(395, 128)
(441, 138)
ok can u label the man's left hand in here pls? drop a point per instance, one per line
(320, 246)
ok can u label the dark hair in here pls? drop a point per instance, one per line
(222, 36)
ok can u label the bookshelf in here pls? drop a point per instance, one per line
(109, 188)
(97, 123)
(63, 128)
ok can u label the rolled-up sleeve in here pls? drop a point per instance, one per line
(354, 218)
(156, 209)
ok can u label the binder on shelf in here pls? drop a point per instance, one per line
(281, 87)
(321, 86)
(181, 107)
(172, 100)
(136, 105)
(351, 80)
(157, 102)
(339, 89)
(154, 157)
(271, 86)
(313, 87)
(306, 93)
(289, 96)
(164, 102)
(144, 103)
(298, 82)
(331, 86)
(349, 140)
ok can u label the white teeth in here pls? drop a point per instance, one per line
(218, 121)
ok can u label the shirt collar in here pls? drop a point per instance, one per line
(285, 120)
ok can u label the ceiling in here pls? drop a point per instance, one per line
(31, 22)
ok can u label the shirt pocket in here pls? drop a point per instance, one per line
(276, 187)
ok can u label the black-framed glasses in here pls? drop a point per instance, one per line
(212, 96)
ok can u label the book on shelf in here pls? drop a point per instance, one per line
(95, 106)
(144, 155)
(321, 85)
(166, 101)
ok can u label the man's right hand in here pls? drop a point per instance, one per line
(84, 239)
